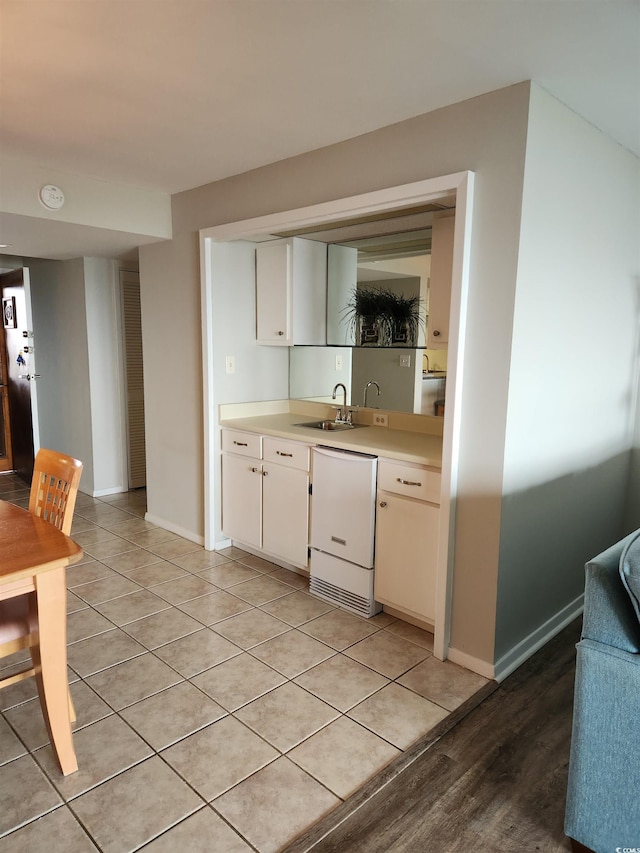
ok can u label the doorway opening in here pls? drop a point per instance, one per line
(17, 372)
(379, 204)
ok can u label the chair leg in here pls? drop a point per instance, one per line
(72, 710)
(49, 658)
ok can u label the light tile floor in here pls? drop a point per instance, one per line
(220, 707)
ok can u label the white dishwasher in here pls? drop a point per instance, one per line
(343, 508)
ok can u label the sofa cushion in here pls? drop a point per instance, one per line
(630, 571)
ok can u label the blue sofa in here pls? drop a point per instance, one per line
(603, 795)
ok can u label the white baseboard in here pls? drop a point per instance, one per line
(538, 638)
(481, 667)
(100, 493)
(222, 544)
(174, 528)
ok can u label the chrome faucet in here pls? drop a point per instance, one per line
(341, 414)
(366, 388)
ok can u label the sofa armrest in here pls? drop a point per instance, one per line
(609, 616)
(603, 804)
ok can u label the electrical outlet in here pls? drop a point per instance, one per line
(380, 419)
(405, 361)
(338, 362)
(230, 364)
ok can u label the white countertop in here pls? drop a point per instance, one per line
(398, 444)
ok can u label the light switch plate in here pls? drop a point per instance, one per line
(230, 364)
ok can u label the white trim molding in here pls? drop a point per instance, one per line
(392, 199)
(174, 528)
(481, 667)
(527, 647)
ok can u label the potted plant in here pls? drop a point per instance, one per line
(383, 318)
(406, 318)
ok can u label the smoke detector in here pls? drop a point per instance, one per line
(51, 197)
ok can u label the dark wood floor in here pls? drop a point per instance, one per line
(495, 783)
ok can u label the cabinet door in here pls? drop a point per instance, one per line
(285, 513)
(406, 554)
(440, 281)
(274, 294)
(242, 499)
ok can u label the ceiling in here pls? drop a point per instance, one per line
(173, 94)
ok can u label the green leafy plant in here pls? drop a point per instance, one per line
(406, 316)
(391, 317)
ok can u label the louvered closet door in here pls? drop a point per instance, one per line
(130, 285)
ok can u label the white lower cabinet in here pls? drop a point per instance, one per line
(407, 519)
(265, 505)
(285, 513)
(265, 494)
(242, 499)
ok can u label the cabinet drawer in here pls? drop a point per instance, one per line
(243, 443)
(290, 453)
(413, 482)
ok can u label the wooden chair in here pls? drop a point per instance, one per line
(54, 487)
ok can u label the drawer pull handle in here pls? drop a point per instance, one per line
(338, 540)
(408, 482)
(282, 453)
(240, 443)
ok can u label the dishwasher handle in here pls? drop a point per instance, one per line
(337, 453)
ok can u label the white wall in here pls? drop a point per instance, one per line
(261, 372)
(104, 346)
(567, 447)
(60, 341)
(76, 316)
(313, 373)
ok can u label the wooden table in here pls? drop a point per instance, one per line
(33, 558)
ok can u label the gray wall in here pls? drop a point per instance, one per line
(486, 135)
(171, 338)
(574, 368)
(61, 353)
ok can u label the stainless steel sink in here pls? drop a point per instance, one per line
(329, 425)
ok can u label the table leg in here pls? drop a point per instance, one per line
(50, 662)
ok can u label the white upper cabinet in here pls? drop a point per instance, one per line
(291, 292)
(440, 281)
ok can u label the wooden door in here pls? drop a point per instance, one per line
(6, 458)
(20, 369)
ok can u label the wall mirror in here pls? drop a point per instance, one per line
(379, 356)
